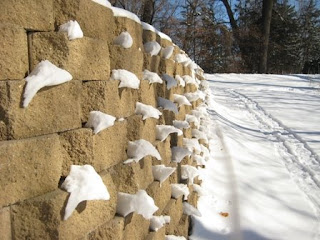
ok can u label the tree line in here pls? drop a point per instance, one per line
(243, 36)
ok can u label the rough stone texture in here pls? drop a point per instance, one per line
(78, 148)
(160, 194)
(168, 66)
(105, 96)
(29, 14)
(53, 109)
(41, 217)
(5, 224)
(190, 87)
(148, 36)
(85, 58)
(159, 235)
(151, 63)
(29, 167)
(130, 59)
(109, 146)
(108, 231)
(95, 20)
(129, 178)
(165, 151)
(136, 227)
(183, 226)
(13, 51)
(147, 94)
(141, 129)
(193, 199)
(173, 209)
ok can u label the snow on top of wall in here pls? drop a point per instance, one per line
(72, 28)
(149, 27)
(167, 52)
(190, 210)
(179, 189)
(157, 222)
(147, 111)
(152, 47)
(152, 77)
(104, 3)
(127, 79)
(100, 121)
(163, 131)
(181, 100)
(119, 12)
(181, 124)
(140, 203)
(124, 40)
(139, 149)
(161, 172)
(171, 82)
(45, 74)
(167, 105)
(83, 183)
(178, 153)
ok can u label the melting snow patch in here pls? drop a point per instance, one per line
(189, 172)
(104, 3)
(73, 29)
(181, 124)
(179, 189)
(179, 153)
(181, 100)
(147, 111)
(126, 78)
(124, 40)
(139, 149)
(153, 48)
(157, 222)
(45, 74)
(119, 12)
(190, 210)
(152, 77)
(167, 52)
(167, 105)
(83, 183)
(100, 121)
(161, 172)
(164, 130)
(140, 203)
(171, 82)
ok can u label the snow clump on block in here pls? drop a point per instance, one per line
(157, 222)
(179, 153)
(192, 144)
(197, 188)
(126, 78)
(179, 189)
(181, 124)
(167, 52)
(192, 119)
(147, 111)
(174, 237)
(163, 131)
(161, 172)
(189, 172)
(139, 149)
(119, 12)
(180, 80)
(199, 135)
(83, 183)
(205, 152)
(140, 203)
(124, 40)
(192, 97)
(153, 48)
(171, 82)
(167, 105)
(190, 210)
(45, 74)
(152, 77)
(99, 121)
(182, 58)
(73, 29)
(181, 100)
(199, 159)
(104, 3)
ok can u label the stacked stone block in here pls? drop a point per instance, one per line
(38, 144)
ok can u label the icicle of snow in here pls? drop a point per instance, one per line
(104, 3)
(152, 77)
(163, 131)
(139, 149)
(190, 210)
(181, 100)
(99, 121)
(152, 47)
(126, 78)
(119, 12)
(147, 111)
(140, 203)
(45, 74)
(192, 144)
(157, 222)
(83, 183)
(73, 29)
(181, 124)
(167, 105)
(167, 52)
(179, 189)
(180, 80)
(178, 153)
(161, 172)
(189, 172)
(199, 159)
(189, 80)
(171, 82)
(124, 40)
(174, 237)
(192, 119)
(199, 135)
(197, 188)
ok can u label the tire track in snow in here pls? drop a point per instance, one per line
(301, 161)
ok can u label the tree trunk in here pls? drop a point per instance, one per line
(266, 18)
(148, 11)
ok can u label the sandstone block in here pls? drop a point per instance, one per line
(29, 167)
(173, 209)
(85, 58)
(141, 129)
(29, 14)
(53, 109)
(13, 51)
(159, 235)
(95, 20)
(190, 88)
(131, 177)
(41, 217)
(179, 69)
(183, 226)
(77, 148)
(160, 194)
(148, 36)
(5, 224)
(147, 93)
(151, 63)
(108, 231)
(165, 151)
(193, 198)
(136, 227)
(168, 66)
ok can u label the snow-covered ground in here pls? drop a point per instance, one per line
(263, 181)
